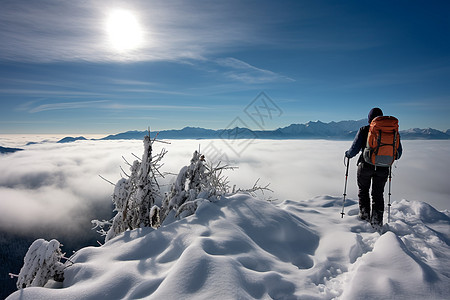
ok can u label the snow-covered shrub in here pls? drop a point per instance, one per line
(41, 263)
(195, 183)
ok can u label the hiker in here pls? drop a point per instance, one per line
(369, 173)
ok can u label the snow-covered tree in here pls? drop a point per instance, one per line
(136, 197)
(41, 263)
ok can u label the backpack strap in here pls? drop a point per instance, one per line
(395, 144)
(378, 143)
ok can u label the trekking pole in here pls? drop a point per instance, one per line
(345, 188)
(389, 194)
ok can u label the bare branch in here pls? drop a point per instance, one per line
(126, 161)
(161, 141)
(125, 172)
(140, 159)
(106, 179)
(154, 139)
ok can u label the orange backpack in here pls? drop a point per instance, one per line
(383, 141)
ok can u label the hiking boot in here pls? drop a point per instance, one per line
(377, 219)
(364, 215)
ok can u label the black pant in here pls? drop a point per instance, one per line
(368, 174)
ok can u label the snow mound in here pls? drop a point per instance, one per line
(243, 248)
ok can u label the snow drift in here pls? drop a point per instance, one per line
(243, 248)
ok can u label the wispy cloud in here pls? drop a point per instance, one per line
(44, 92)
(66, 105)
(103, 87)
(106, 105)
(134, 90)
(155, 107)
(245, 72)
(129, 82)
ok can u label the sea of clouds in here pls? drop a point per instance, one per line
(58, 185)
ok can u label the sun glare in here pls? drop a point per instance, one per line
(124, 31)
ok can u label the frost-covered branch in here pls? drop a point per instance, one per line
(256, 188)
(101, 225)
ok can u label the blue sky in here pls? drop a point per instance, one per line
(204, 63)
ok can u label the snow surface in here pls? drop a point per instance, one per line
(244, 248)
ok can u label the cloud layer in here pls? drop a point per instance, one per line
(58, 185)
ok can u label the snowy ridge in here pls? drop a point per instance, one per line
(71, 139)
(427, 133)
(244, 248)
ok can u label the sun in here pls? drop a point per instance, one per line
(124, 31)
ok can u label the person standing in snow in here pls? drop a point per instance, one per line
(368, 174)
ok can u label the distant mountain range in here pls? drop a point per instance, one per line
(342, 130)
(310, 130)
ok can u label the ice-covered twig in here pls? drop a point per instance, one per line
(67, 260)
(256, 188)
(101, 225)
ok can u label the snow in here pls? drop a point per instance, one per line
(240, 247)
